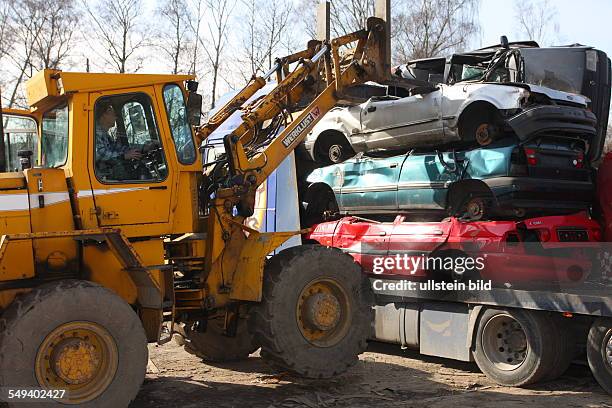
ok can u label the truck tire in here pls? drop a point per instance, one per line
(512, 346)
(74, 335)
(316, 312)
(599, 352)
(564, 344)
(213, 346)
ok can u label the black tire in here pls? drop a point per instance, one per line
(33, 322)
(213, 346)
(564, 344)
(483, 129)
(295, 283)
(321, 201)
(531, 358)
(599, 352)
(333, 148)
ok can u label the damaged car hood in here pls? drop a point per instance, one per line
(559, 95)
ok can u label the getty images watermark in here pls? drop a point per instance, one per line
(450, 273)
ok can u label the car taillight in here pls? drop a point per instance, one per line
(532, 160)
(579, 161)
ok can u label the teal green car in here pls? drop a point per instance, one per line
(504, 178)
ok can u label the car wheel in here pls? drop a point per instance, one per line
(321, 205)
(482, 129)
(475, 208)
(334, 148)
(485, 134)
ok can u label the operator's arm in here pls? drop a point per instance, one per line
(107, 149)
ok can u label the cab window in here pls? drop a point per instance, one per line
(177, 118)
(54, 137)
(19, 134)
(127, 144)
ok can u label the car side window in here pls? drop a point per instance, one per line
(179, 126)
(127, 144)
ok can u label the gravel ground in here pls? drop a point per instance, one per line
(384, 377)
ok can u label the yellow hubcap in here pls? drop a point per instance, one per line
(80, 357)
(76, 361)
(323, 312)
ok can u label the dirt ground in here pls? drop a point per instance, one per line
(384, 377)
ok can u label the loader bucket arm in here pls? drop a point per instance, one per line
(316, 85)
(309, 84)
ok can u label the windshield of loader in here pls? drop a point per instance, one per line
(54, 138)
(177, 117)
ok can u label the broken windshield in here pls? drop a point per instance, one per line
(557, 68)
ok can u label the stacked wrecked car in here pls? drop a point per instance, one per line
(508, 131)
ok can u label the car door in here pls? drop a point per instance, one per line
(369, 185)
(364, 241)
(128, 192)
(414, 242)
(401, 122)
(424, 180)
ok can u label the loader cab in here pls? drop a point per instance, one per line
(125, 147)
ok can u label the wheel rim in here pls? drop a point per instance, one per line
(475, 208)
(484, 134)
(323, 311)
(607, 350)
(80, 357)
(335, 153)
(504, 342)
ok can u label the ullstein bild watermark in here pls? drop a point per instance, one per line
(430, 285)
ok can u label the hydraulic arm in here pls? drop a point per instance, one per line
(309, 83)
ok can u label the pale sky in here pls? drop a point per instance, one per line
(585, 21)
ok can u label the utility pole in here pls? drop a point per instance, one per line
(323, 21)
(382, 9)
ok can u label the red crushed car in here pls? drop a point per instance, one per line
(545, 249)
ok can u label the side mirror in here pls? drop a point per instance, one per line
(25, 159)
(194, 108)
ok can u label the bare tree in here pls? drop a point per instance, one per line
(266, 34)
(174, 32)
(346, 16)
(220, 12)
(196, 16)
(429, 28)
(26, 23)
(6, 32)
(117, 26)
(56, 39)
(537, 20)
